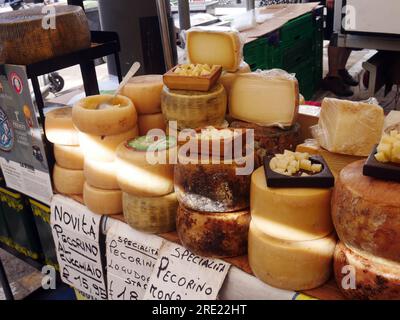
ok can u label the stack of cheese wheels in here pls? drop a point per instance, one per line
(268, 103)
(68, 171)
(104, 122)
(145, 93)
(145, 171)
(366, 214)
(291, 239)
(213, 217)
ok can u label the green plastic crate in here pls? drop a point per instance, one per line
(297, 29)
(20, 223)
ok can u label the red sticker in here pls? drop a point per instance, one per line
(16, 82)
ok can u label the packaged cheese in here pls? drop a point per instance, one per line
(349, 127)
(266, 98)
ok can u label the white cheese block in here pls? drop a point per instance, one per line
(215, 46)
(227, 78)
(266, 98)
(349, 127)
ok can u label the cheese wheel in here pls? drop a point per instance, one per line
(151, 121)
(138, 175)
(271, 140)
(145, 93)
(66, 181)
(151, 215)
(296, 214)
(69, 157)
(375, 279)
(366, 212)
(213, 234)
(101, 174)
(227, 78)
(107, 202)
(24, 40)
(213, 185)
(102, 148)
(117, 117)
(302, 101)
(194, 109)
(290, 265)
(59, 127)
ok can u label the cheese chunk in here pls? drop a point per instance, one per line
(296, 214)
(214, 46)
(213, 234)
(374, 279)
(107, 202)
(227, 78)
(308, 117)
(290, 265)
(145, 93)
(149, 122)
(151, 215)
(392, 121)
(268, 98)
(69, 157)
(348, 127)
(366, 212)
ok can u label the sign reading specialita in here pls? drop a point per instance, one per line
(23, 158)
(76, 232)
(131, 258)
(181, 275)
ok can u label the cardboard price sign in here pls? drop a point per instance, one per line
(181, 275)
(76, 232)
(131, 257)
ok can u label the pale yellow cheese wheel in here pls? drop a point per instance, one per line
(290, 265)
(66, 181)
(149, 122)
(101, 174)
(106, 202)
(145, 93)
(69, 157)
(102, 148)
(297, 214)
(116, 119)
(59, 127)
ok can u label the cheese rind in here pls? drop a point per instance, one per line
(374, 279)
(69, 157)
(213, 234)
(59, 127)
(214, 46)
(66, 181)
(101, 174)
(366, 212)
(267, 98)
(194, 109)
(151, 121)
(103, 148)
(295, 214)
(107, 202)
(151, 215)
(290, 265)
(349, 127)
(120, 117)
(145, 93)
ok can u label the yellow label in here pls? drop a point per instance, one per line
(300, 296)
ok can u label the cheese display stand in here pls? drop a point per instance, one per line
(211, 182)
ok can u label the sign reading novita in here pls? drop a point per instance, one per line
(22, 153)
(76, 233)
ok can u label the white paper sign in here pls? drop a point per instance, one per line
(181, 275)
(76, 232)
(131, 258)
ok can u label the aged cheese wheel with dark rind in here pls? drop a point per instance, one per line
(375, 279)
(211, 187)
(271, 140)
(366, 212)
(213, 235)
(23, 40)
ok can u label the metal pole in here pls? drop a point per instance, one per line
(165, 34)
(5, 284)
(184, 14)
(250, 5)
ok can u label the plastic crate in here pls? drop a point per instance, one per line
(20, 224)
(297, 29)
(41, 214)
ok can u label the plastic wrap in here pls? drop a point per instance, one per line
(23, 40)
(349, 127)
(215, 46)
(244, 21)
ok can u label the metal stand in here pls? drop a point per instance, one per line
(5, 284)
